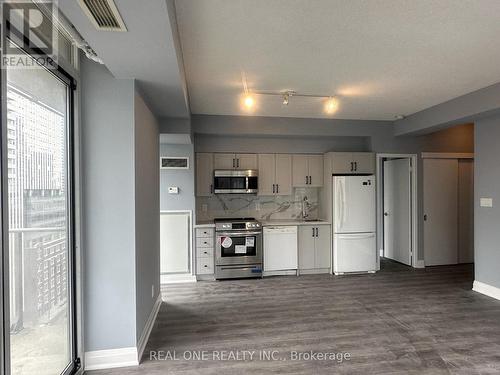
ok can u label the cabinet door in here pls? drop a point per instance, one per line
(283, 174)
(299, 171)
(204, 174)
(267, 173)
(224, 161)
(246, 161)
(306, 248)
(365, 162)
(322, 247)
(315, 164)
(342, 163)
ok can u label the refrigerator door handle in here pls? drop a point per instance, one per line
(355, 236)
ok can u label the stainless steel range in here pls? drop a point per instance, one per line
(238, 249)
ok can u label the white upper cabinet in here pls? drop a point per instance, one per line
(275, 174)
(353, 162)
(246, 161)
(315, 170)
(307, 170)
(204, 174)
(283, 174)
(235, 161)
(267, 174)
(224, 161)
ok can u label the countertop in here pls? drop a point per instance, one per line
(268, 223)
(205, 224)
(292, 222)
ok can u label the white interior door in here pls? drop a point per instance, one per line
(397, 210)
(440, 211)
(466, 211)
(354, 204)
(174, 243)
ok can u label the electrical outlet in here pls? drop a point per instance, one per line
(204, 207)
(152, 291)
(257, 206)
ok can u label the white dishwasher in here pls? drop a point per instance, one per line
(280, 248)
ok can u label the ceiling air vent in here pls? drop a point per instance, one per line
(103, 14)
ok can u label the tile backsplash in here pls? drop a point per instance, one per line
(260, 207)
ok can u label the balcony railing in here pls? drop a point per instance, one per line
(38, 275)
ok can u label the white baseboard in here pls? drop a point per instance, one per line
(177, 278)
(143, 340)
(111, 358)
(419, 264)
(486, 289)
(280, 273)
(123, 357)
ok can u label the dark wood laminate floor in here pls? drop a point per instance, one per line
(398, 321)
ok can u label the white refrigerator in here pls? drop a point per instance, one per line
(354, 224)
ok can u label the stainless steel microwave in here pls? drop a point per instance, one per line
(236, 181)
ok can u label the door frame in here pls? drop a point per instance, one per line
(415, 262)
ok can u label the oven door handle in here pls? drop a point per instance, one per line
(229, 234)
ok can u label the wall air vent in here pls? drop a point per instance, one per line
(103, 14)
(169, 162)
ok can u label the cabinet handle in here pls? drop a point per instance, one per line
(356, 166)
(317, 233)
(352, 166)
(277, 188)
(307, 180)
(211, 189)
(237, 163)
(205, 266)
(274, 188)
(234, 163)
(310, 180)
(313, 231)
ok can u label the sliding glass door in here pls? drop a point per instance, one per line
(40, 305)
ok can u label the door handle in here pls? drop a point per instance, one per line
(386, 214)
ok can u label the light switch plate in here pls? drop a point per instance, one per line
(486, 202)
(173, 190)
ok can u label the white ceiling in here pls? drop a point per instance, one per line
(381, 57)
(147, 52)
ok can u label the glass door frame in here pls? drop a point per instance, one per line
(61, 74)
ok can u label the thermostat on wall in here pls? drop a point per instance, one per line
(173, 190)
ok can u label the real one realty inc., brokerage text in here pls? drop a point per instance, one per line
(247, 355)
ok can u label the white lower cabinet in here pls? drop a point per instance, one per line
(205, 239)
(314, 249)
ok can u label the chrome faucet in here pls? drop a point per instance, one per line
(305, 208)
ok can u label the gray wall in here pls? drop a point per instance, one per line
(107, 138)
(465, 108)
(487, 185)
(182, 178)
(290, 135)
(147, 216)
